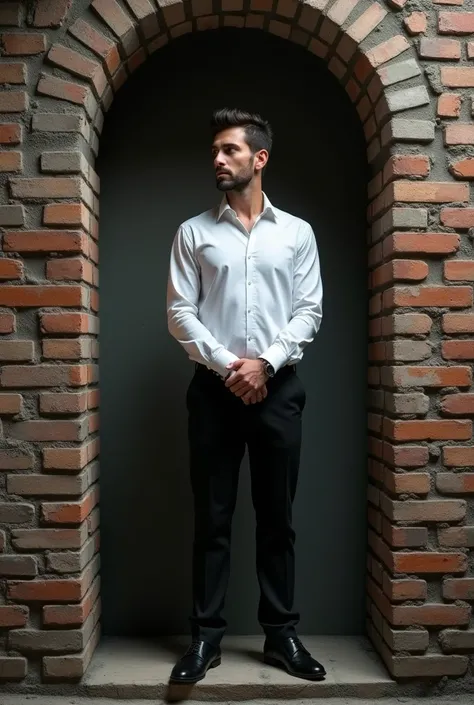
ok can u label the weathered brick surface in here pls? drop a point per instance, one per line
(61, 64)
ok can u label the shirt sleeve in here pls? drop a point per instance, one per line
(307, 309)
(183, 291)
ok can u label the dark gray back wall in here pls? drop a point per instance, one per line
(156, 170)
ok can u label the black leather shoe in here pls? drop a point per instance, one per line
(193, 666)
(291, 655)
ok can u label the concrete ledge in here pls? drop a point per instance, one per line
(139, 669)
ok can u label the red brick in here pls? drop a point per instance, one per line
(71, 615)
(400, 590)
(10, 133)
(407, 482)
(433, 615)
(444, 49)
(399, 270)
(23, 44)
(462, 218)
(34, 296)
(11, 162)
(46, 241)
(428, 430)
(13, 101)
(455, 482)
(16, 350)
(70, 512)
(459, 133)
(64, 90)
(75, 214)
(63, 403)
(7, 323)
(10, 404)
(458, 456)
(458, 323)
(79, 65)
(406, 165)
(458, 404)
(51, 14)
(14, 73)
(420, 243)
(459, 270)
(458, 349)
(49, 430)
(387, 50)
(456, 22)
(100, 44)
(415, 23)
(68, 323)
(11, 269)
(76, 269)
(13, 616)
(458, 589)
(427, 296)
(427, 376)
(449, 105)
(45, 590)
(72, 349)
(44, 375)
(429, 562)
(459, 77)
(429, 192)
(463, 169)
(70, 459)
(405, 456)
(404, 536)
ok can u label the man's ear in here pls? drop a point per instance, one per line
(261, 159)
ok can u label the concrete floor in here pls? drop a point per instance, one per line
(126, 670)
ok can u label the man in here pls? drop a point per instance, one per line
(244, 299)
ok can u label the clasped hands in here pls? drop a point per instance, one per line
(247, 380)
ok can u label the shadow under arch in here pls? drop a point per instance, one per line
(155, 171)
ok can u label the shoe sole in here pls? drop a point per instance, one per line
(187, 681)
(279, 664)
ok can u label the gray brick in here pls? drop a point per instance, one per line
(407, 98)
(405, 130)
(456, 640)
(10, 14)
(409, 217)
(51, 641)
(401, 71)
(12, 215)
(16, 512)
(408, 350)
(60, 122)
(13, 668)
(413, 640)
(64, 163)
(48, 538)
(16, 350)
(18, 566)
(53, 485)
(416, 403)
(72, 561)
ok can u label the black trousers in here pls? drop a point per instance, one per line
(220, 427)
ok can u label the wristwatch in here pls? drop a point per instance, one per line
(269, 369)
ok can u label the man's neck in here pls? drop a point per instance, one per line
(247, 204)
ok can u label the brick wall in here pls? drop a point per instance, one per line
(409, 76)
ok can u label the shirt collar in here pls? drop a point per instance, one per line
(268, 209)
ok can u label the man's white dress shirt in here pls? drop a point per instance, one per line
(234, 294)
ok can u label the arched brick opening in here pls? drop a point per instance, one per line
(420, 265)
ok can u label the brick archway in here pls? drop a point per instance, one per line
(420, 488)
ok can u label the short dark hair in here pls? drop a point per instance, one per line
(258, 132)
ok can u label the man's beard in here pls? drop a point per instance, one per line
(235, 183)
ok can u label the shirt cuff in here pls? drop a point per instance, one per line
(221, 360)
(275, 356)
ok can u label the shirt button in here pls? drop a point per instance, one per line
(249, 283)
